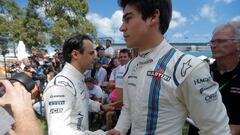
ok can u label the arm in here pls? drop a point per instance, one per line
(124, 121)
(20, 101)
(204, 103)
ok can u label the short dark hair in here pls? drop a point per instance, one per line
(148, 7)
(125, 50)
(109, 40)
(90, 79)
(74, 42)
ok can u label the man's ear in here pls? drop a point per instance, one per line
(74, 54)
(154, 18)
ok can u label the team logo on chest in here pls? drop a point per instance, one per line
(158, 74)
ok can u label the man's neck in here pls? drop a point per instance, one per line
(81, 70)
(152, 42)
(227, 64)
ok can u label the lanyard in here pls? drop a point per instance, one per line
(226, 83)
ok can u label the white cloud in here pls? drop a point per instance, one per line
(180, 35)
(107, 27)
(236, 18)
(208, 12)
(177, 20)
(225, 1)
(196, 18)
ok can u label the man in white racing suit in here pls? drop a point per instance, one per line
(162, 86)
(65, 97)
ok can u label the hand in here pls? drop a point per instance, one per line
(108, 107)
(16, 95)
(117, 104)
(113, 132)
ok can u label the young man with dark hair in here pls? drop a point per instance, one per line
(162, 85)
(65, 97)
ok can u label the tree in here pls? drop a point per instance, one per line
(9, 11)
(67, 17)
(34, 34)
(57, 20)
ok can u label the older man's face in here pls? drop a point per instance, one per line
(224, 44)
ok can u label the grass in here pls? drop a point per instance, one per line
(43, 125)
(185, 129)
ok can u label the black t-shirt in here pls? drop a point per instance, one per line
(229, 86)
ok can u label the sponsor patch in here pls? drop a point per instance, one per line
(206, 88)
(235, 90)
(145, 54)
(132, 84)
(56, 110)
(211, 97)
(145, 62)
(54, 96)
(201, 80)
(185, 67)
(56, 102)
(157, 74)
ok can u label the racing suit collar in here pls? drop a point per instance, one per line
(160, 49)
(71, 69)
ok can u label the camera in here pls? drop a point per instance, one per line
(24, 79)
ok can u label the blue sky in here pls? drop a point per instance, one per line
(192, 21)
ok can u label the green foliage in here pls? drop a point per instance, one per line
(25, 24)
(68, 16)
(34, 30)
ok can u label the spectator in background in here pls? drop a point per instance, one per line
(101, 57)
(99, 45)
(94, 91)
(116, 94)
(98, 73)
(112, 68)
(116, 53)
(109, 51)
(124, 58)
(225, 46)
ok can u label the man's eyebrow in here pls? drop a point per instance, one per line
(127, 14)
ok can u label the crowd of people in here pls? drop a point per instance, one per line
(150, 89)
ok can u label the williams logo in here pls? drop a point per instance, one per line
(157, 74)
